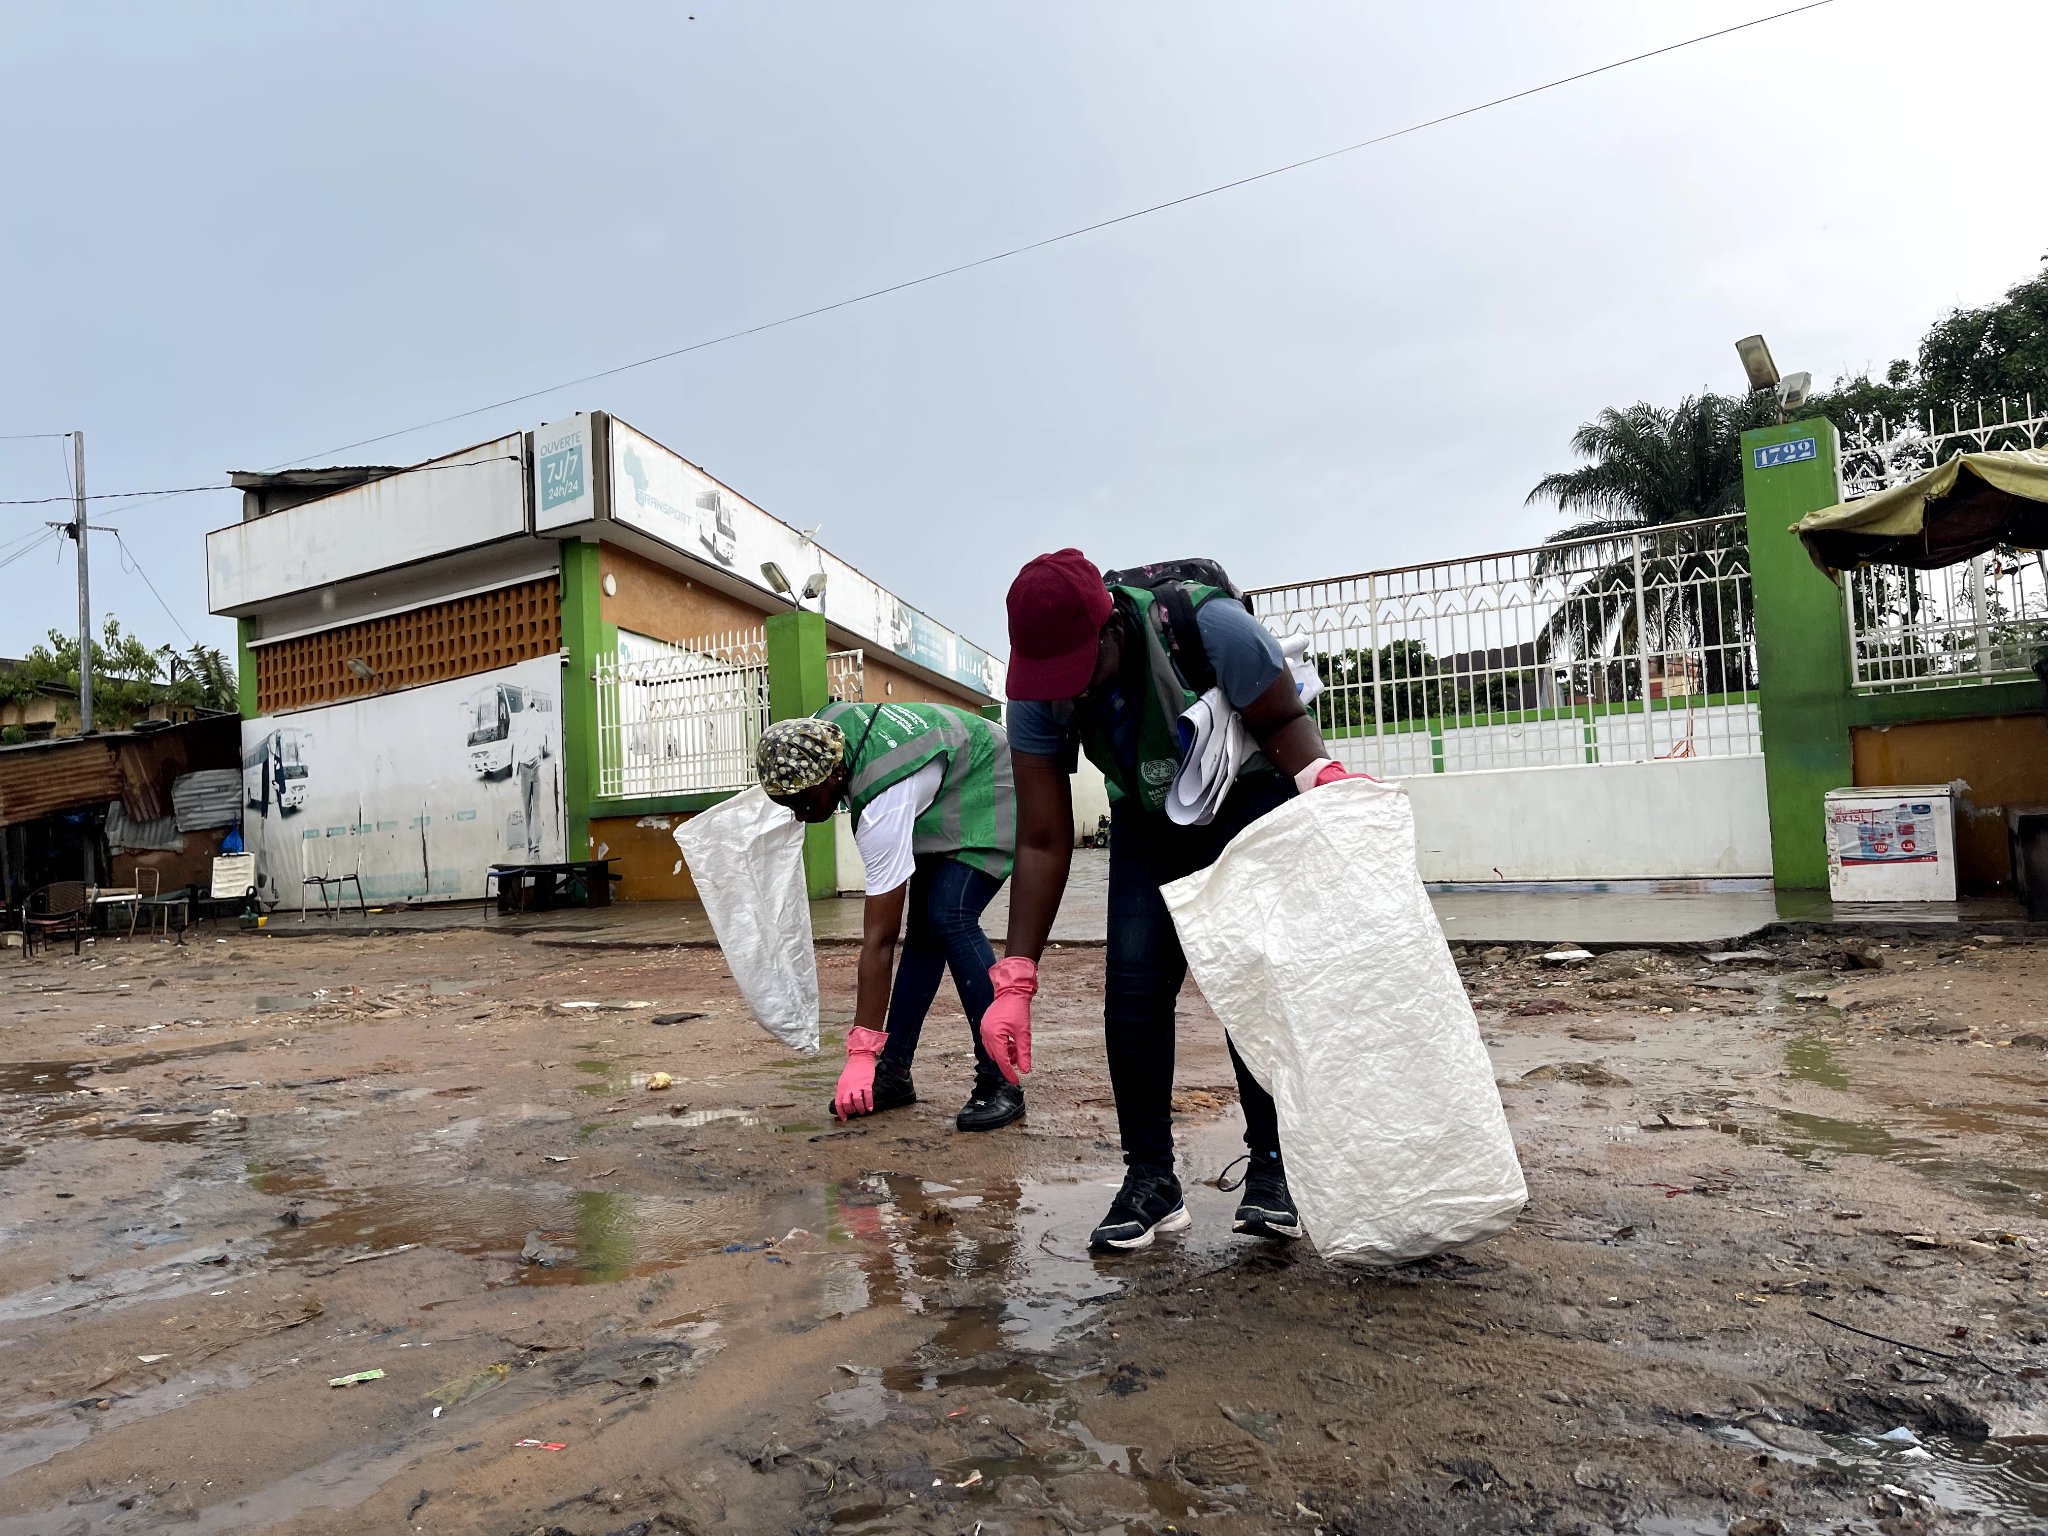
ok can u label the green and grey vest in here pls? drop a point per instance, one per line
(1151, 684)
(974, 817)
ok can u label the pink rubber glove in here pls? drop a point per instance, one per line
(1006, 1027)
(855, 1094)
(1325, 770)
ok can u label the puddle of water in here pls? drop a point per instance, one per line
(61, 1427)
(690, 1119)
(1813, 1139)
(1811, 1059)
(604, 1235)
(2002, 1478)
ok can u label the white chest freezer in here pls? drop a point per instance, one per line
(1892, 842)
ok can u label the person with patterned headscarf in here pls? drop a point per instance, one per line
(935, 819)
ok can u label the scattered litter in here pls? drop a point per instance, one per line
(756, 1248)
(355, 1378)
(475, 1384)
(1666, 1121)
(1900, 1436)
(605, 1006)
(1736, 956)
(659, 1081)
(151, 1359)
(1809, 996)
(1567, 956)
(972, 1478)
(438, 1410)
(540, 1445)
(381, 1253)
(675, 1018)
(539, 1250)
(552, 1157)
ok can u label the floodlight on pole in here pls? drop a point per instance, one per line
(1756, 362)
(814, 586)
(777, 582)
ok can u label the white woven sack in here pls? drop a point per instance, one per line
(1314, 941)
(746, 855)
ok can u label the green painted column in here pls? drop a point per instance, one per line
(245, 669)
(797, 687)
(583, 637)
(1802, 644)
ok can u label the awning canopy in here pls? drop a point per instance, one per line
(1972, 503)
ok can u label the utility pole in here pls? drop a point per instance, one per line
(84, 585)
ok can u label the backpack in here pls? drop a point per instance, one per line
(1168, 582)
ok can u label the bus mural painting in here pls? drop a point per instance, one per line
(274, 771)
(511, 730)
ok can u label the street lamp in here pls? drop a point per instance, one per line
(1792, 390)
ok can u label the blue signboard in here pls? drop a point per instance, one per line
(1771, 456)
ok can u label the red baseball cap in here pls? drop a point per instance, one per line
(1058, 606)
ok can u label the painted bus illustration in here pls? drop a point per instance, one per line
(274, 771)
(716, 529)
(508, 726)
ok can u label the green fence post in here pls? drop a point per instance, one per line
(1802, 648)
(797, 686)
(583, 639)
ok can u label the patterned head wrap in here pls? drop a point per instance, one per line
(796, 755)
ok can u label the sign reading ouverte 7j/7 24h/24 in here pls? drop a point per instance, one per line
(1771, 455)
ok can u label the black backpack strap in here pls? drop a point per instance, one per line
(1190, 653)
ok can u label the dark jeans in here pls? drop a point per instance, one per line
(1145, 968)
(946, 900)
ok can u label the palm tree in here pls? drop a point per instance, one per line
(1648, 468)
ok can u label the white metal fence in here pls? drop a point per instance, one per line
(1979, 622)
(846, 676)
(1618, 650)
(682, 723)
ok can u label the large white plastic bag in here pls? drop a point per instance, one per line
(747, 856)
(1314, 941)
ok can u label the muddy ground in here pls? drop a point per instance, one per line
(239, 1169)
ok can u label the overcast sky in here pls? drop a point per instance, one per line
(241, 234)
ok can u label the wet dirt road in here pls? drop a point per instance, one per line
(239, 1170)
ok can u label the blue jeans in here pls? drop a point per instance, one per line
(946, 901)
(1145, 967)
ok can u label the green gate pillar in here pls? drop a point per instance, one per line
(584, 638)
(796, 687)
(1802, 647)
(245, 669)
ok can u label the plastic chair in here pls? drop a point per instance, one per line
(55, 911)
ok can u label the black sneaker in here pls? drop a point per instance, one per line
(990, 1107)
(1267, 1209)
(893, 1088)
(1148, 1204)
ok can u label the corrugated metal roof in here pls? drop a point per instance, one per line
(45, 777)
(211, 797)
(135, 767)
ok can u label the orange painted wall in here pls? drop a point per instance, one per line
(648, 859)
(666, 605)
(2003, 760)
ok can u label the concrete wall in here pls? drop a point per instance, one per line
(393, 788)
(1620, 821)
(1999, 762)
(466, 499)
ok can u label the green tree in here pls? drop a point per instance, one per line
(128, 677)
(1410, 687)
(1998, 351)
(1649, 467)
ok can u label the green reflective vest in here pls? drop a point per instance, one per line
(1153, 685)
(974, 817)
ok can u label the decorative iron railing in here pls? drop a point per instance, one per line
(1634, 648)
(1982, 621)
(682, 723)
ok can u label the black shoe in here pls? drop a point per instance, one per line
(1149, 1203)
(990, 1107)
(893, 1088)
(1267, 1209)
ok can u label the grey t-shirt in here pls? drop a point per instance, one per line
(1244, 654)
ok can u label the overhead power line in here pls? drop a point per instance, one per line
(1072, 234)
(131, 562)
(187, 490)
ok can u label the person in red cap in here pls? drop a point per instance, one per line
(1107, 667)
